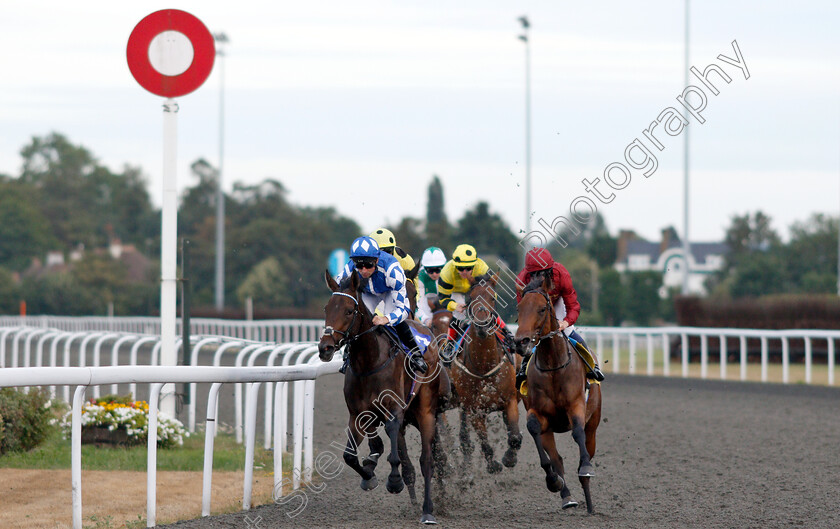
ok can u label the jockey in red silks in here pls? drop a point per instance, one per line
(566, 306)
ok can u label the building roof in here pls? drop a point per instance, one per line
(699, 250)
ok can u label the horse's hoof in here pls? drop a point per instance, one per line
(586, 471)
(569, 503)
(555, 483)
(428, 519)
(395, 486)
(369, 484)
(509, 459)
(494, 467)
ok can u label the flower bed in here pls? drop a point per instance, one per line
(120, 421)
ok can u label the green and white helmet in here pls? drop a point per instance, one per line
(433, 257)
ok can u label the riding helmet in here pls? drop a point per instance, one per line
(432, 257)
(364, 247)
(464, 255)
(384, 238)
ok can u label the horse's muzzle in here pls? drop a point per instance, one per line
(326, 349)
(522, 344)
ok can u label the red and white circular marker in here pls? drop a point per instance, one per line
(170, 53)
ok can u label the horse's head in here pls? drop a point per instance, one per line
(481, 304)
(535, 312)
(342, 314)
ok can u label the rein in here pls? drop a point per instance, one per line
(552, 334)
(329, 331)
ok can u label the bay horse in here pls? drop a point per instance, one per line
(379, 388)
(484, 378)
(556, 399)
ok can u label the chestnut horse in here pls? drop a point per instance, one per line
(379, 388)
(484, 378)
(556, 399)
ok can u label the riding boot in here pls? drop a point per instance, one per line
(448, 351)
(415, 357)
(508, 336)
(346, 359)
(522, 374)
(594, 372)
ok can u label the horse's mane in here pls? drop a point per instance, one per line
(536, 283)
(479, 280)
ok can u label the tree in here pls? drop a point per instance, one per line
(409, 235)
(753, 245)
(642, 302)
(490, 235)
(24, 231)
(438, 230)
(83, 201)
(267, 284)
(811, 255)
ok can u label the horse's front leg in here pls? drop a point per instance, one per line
(392, 428)
(351, 457)
(377, 447)
(514, 435)
(479, 424)
(464, 438)
(426, 425)
(585, 469)
(536, 426)
(409, 475)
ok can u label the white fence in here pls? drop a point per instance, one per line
(157, 376)
(659, 339)
(257, 330)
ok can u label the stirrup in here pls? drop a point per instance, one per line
(418, 363)
(596, 374)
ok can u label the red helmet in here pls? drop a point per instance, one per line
(538, 259)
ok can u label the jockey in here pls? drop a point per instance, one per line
(383, 281)
(566, 306)
(456, 278)
(388, 244)
(427, 296)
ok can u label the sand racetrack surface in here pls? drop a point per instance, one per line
(671, 453)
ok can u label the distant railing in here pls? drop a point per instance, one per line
(280, 331)
(664, 340)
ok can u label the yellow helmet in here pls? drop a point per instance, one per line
(464, 255)
(384, 238)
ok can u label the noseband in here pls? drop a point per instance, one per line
(540, 337)
(329, 331)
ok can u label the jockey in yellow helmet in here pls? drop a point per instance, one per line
(456, 278)
(388, 244)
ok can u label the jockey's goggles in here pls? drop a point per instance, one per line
(433, 269)
(365, 263)
(463, 268)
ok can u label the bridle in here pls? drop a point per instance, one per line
(537, 338)
(329, 331)
(347, 340)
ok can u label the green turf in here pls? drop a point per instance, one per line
(227, 455)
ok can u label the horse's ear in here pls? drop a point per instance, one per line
(354, 280)
(492, 280)
(413, 272)
(519, 288)
(330, 281)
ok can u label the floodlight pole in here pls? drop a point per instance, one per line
(686, 243)
(221, 39)
(524, 38)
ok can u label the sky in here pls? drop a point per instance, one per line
(356, 105)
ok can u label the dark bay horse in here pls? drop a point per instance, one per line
(379, 389)
(484, 378)
(556, 399)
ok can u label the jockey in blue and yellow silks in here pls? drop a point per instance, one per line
(383, 282)
(456, 278)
